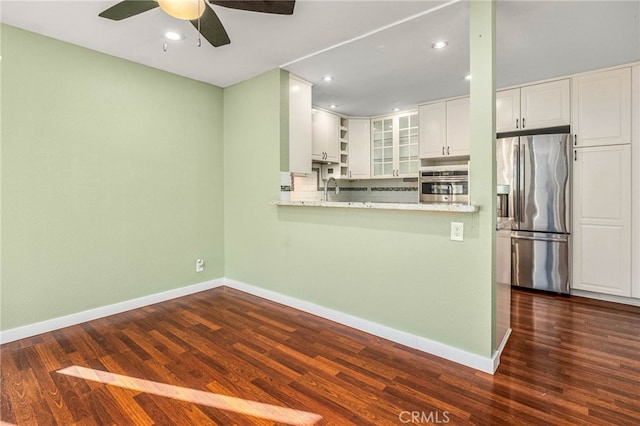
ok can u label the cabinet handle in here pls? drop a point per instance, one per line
(447, 150)
(575, 139)
(517, 123)
(575, 155)
(443, 150)
(523, 122)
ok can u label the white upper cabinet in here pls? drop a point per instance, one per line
(458, 125)
(359, 148)
(602, 108)
(444, 129)
(534, 107)
(299, 125)
(433, 129)
(395, 146)
(325, 137)
(507, 110)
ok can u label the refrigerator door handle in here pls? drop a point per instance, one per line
(552, 240)
(520, 180)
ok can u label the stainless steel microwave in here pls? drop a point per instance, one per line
(444, 184)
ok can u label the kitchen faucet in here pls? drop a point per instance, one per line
(326, 185)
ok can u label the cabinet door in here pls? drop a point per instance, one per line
(325, 137)
(299, 126)
(602, 108)
(458, 116)
(433, 130)
(319, 135)
(359, 148)
(382, 148)
(332, 147)
(545, 105)
(508, 110)
(602, 220)
(408, 145)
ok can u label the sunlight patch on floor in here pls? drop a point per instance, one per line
(222, 402)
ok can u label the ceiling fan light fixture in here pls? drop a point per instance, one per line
(183, 9)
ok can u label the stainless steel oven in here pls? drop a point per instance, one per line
(444, 184)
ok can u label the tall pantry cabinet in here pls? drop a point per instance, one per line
(601, 118)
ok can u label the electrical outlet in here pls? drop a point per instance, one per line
(199, 265)
(457, 231)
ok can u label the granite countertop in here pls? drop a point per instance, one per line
(457, 208)
(504, 223)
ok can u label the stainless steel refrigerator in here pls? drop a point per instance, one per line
(537, 168)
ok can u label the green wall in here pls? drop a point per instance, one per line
(113, 183)
(112, 179)
(395, 268)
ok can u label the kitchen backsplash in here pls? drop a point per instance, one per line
(310, 188)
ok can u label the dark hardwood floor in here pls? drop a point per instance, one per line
(225, 357)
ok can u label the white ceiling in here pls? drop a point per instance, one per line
(379, 68)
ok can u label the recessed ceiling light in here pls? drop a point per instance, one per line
(396, 109)
(327, 78)
(333, 106)
(467, 77)
(440, 44)
(172, 35)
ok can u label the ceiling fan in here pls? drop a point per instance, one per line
(201, 16)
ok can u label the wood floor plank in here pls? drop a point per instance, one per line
(569, 361)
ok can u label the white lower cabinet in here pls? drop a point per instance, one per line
(503, 284)
(359, 148)
(602, 219)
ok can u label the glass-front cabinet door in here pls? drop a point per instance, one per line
(408, 145)
(383, 147)
(395, 145)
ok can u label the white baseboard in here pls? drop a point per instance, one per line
(487, 365)
(496, 356)
(606, 297)
(103, 311)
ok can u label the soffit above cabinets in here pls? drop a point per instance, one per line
(379, 52)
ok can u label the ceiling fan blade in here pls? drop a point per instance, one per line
(211, 28)
(128, 8)
(281, 7)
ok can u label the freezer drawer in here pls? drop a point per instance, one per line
(540, 261)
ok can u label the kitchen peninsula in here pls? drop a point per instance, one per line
(424, 207)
